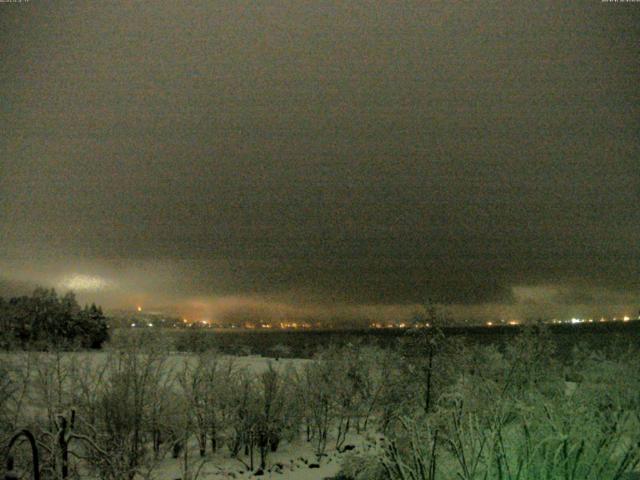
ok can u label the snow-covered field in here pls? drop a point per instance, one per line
(463, 412)
(294, 460)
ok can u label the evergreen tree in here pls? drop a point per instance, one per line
(45, 319)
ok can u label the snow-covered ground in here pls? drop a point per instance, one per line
(292, 461)
(581, 406)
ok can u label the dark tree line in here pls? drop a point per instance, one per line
(46, 319)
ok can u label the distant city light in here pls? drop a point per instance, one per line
(144, 320)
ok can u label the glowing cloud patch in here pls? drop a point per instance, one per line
(84, 282)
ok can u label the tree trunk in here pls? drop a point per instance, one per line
(64, 447)
(202, 444)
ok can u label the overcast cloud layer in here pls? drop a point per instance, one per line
(321, 154)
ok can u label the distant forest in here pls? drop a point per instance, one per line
(45, 320)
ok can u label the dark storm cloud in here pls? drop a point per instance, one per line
(322, 151)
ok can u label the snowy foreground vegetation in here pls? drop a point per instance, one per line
(441, 409)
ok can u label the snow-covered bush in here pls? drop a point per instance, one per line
(513, 420)
(364, 466)
(121, 410)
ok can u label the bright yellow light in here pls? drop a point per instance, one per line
(139, 308)
(489, 324)
(626, 319)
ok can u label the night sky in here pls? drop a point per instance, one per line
(323, 157)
